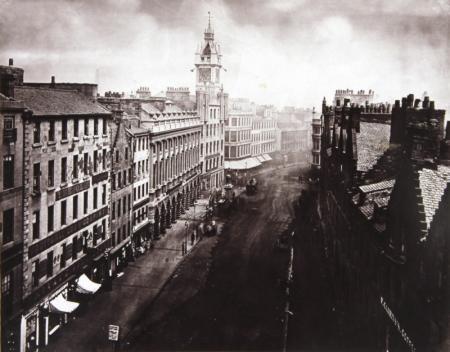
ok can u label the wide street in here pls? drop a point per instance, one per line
(229, 294)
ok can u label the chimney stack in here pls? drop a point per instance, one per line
(416, 103)
(52, 84)
(426, 102)
(11, 62)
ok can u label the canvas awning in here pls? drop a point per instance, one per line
(267, 157)
(61, 305)
(260, 158)
(243, 164)
(85, 285)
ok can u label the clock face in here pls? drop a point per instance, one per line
(204, 74)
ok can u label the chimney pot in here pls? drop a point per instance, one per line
(432, 105)
(416, 103)
(447, 131)
(11, 62)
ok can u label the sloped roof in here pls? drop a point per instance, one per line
(372, 142)
(377, 186)
(56, 102)
(433, 184)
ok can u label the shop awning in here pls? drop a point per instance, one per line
(267, 157)
(84, 285)
(260, 158)
(243, 164)
(61, 305)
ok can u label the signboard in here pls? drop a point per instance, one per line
(397, 325)
(113, 333)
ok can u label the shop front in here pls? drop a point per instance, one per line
(44, 320)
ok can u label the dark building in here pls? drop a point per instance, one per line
(11, 205)
(384, 205)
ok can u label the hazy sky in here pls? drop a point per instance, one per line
(283, 52)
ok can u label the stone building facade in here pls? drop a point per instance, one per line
(316, 134)
(11, 204)
(384, 193)
(66, 193)
(263, 137)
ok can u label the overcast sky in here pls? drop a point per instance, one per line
(283, 52)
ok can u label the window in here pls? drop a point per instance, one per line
(50, 218)
(51, 173)
(64, 170)
(94, 234)
(95, 127)
(74, 247)
(113, 182)
(85, 202)
(104, 159)
(86, 127)
(35, 272)
(51, 132)
(118, 207)
(50, 263)
(124, 201)
(113, 239)
(126, 153)
(75, 166)
(129, 202)
(63, 212)
(75, 128)
(119, 180)
(8, 171)
(8, 225)
(7, 286)
(36, 177)
(8, 122)
(104, 125)
(104, 195)
(103, 229)
(36, 224)
(95, 198)
(75, 207)
(95, 160)
(117, 156)
(64, 130)
(113, 211)
(63, 255)
(37, 133)
(85, 164)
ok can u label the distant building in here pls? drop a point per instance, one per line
(361, 97)
(316, 136)
(143, 93)
(264, 133)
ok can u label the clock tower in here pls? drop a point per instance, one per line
(208, 61)
(212, 108)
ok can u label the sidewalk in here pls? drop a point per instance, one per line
(131, 293)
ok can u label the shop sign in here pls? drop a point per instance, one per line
(113, 333)
(397, 324)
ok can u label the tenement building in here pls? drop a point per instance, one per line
(65, 205)
(316, 136)
(212, 108)
(238, 135)
(384, 205)
(122, 185)
(264, 133)
(361, 97)
(11, 203)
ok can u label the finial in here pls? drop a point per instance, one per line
(209, 19)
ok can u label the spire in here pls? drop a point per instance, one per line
(209, 33)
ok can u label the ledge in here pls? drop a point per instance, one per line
(51, 142)
(37, 145)
(64, 141)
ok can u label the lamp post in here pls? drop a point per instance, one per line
(186, 225)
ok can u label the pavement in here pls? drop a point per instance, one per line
(131, 293)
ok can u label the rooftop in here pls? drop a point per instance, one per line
(57, 102)
(372, 142)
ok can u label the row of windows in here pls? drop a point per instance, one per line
(263, 148)
(140, 191)
(65, 125)
(86, 164)
(63, 205)
(214, 130)
(237, 151)
(241, 121)
(121, 179)
(69, 251)
(121, 206)
(122, 234)
(141, 143)
(264, 124)
(213, 147)
(213, 163)
(263, 136)
(140, 215)
(237, 136)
